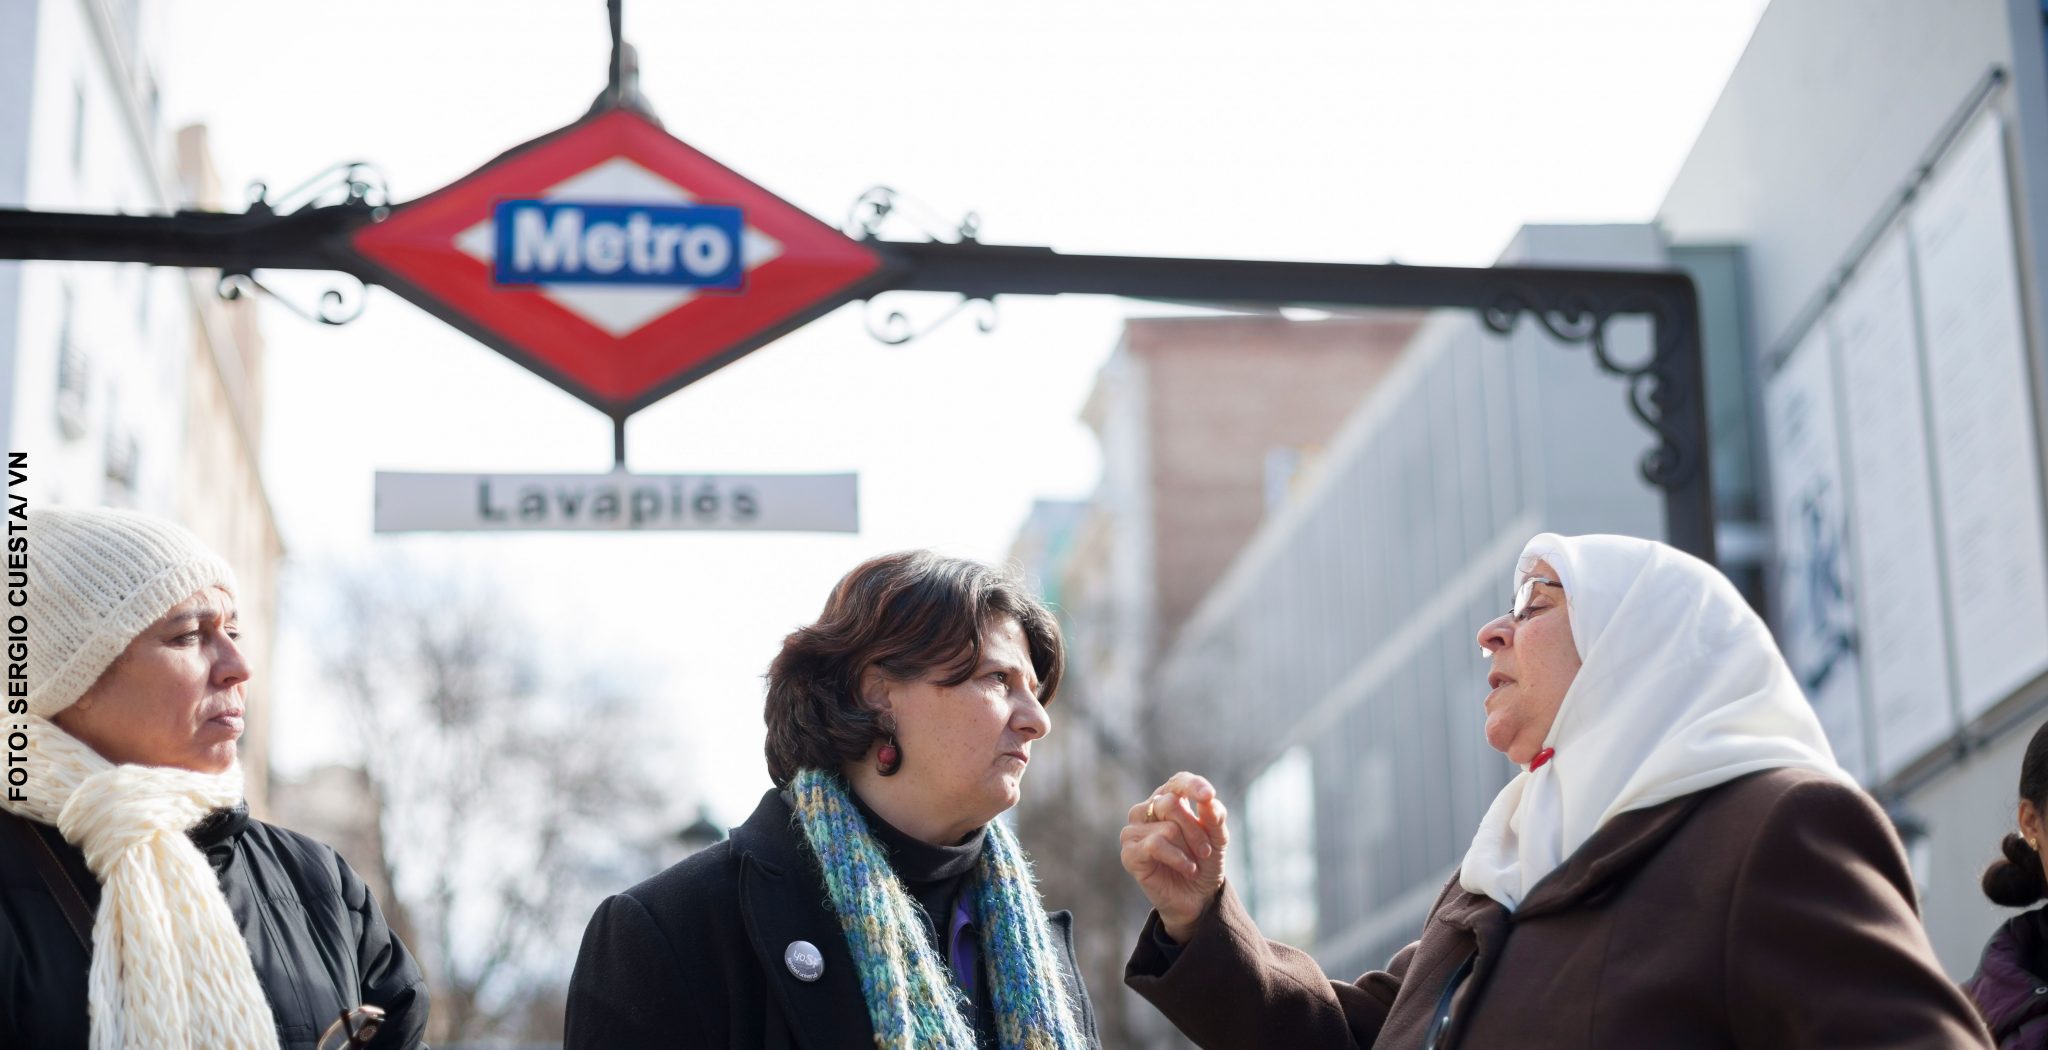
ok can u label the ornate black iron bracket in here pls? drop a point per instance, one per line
(895, 328)
(336, 307)
(873, 209)
(1657, 386)
(871, 214)
(356, 181)
(354, 186)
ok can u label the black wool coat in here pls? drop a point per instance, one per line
(694, 957)
(319, 943)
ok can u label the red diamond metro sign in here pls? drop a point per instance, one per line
(615, 261)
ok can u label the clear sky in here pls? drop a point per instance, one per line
(1423, 132)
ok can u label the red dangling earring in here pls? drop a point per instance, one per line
(888, 758)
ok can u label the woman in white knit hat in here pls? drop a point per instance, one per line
(140, 906)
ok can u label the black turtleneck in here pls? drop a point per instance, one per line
(935, 877)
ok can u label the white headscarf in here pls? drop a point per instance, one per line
(1680, 688)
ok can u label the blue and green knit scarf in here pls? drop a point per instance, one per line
(911, 998)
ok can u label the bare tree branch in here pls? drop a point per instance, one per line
(494, 760)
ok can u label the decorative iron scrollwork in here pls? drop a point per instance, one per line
(348, 184)
(895, 328)
(336, 306)
(873, 209)
(1657, 390)
(871, 212)
(358, 183)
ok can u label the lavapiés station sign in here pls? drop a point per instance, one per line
(616, 502)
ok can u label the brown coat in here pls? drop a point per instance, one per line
(1771, 911)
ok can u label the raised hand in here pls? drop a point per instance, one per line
(1173, 845)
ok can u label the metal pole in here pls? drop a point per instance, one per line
(1689, 501)
(307, 239)
(618, 75)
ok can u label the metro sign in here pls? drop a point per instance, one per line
(570, 242)
(615, 261)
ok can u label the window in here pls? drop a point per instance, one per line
(122, 454)
(78, 129)
(74, 374)
(1280, 821)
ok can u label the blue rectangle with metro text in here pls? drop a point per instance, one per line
(544, 242)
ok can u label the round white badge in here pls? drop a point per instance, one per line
(804, 960)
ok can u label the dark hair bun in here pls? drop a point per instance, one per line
(2015, 880)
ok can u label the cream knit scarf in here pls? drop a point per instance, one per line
(170, 970)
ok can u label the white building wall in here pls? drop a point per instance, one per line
(1828, 111)
(1827, 117)
(18, 37)
(90, 142)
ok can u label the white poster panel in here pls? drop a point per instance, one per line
(618, 501)
(1815, 608)
(1987, 466)
(1891, 515)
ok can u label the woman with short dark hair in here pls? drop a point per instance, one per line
(2007, 986)
(872, 900)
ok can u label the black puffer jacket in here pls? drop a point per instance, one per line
(316, 936)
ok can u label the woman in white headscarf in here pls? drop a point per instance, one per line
(1681, 862)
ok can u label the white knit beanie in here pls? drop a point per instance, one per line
(96, 579)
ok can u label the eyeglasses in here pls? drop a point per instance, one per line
(353, 1029)
(1525, 594)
